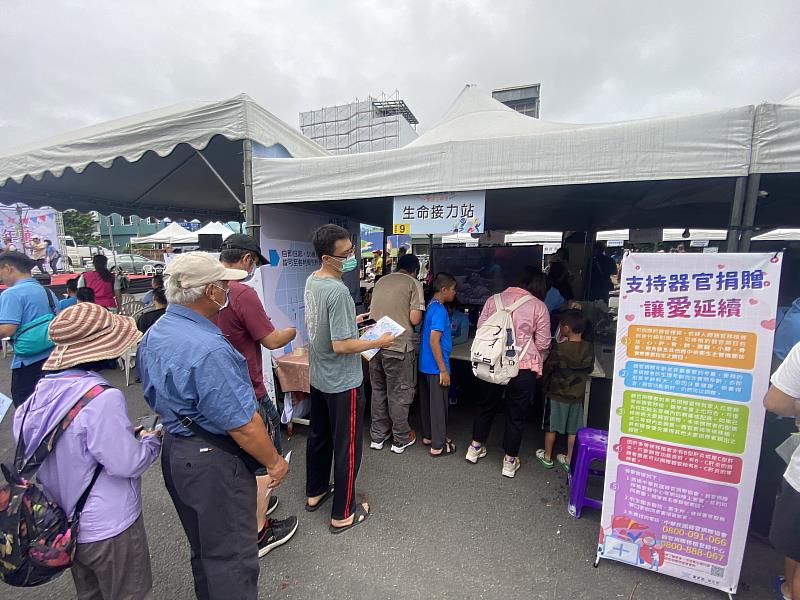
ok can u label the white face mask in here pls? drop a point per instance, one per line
(227, 298)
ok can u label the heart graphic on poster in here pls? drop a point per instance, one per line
(625, 297)
(753, 301)
(630, 317)
(769, 324)
(720, 267)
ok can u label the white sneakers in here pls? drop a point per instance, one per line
(473, 453)
(379, 445)
(510, 468)
(399, 448)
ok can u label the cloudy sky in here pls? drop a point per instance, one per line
(67, 64)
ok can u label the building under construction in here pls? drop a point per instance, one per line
(382, 123)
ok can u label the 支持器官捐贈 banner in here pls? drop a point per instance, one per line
(692, 365)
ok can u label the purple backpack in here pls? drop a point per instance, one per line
(37, 539)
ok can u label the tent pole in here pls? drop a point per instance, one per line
(251, 214)
(749, 213)
(735, 222)
(221, 180)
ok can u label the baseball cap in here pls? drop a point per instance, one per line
(240, 241)
(194, 269)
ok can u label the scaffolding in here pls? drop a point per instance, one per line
(378, 123)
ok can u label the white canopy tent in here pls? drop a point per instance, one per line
(650, 172)
(779, 235)
(186, 160)
(669, 235)
(215, 228)
(171, 234)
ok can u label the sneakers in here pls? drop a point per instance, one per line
(473, 453)
(379, 445)
(399, 448)
(510, 467)
(272, 504)
(275, 533)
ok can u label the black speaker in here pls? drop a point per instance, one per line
(210, 242)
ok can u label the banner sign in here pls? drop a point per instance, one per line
(21, 223)
(694, 348)
(450, 212)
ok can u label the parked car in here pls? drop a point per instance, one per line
(76, 255)
(134, 264)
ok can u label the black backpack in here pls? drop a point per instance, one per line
(37, 539)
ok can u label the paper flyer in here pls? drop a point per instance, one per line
(382, 325)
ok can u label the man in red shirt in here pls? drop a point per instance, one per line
(247, 327)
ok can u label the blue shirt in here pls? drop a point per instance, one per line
(23, 302)
(187, 367)
(436, 319)
(147, 299)
(787, 333)
(67, 302)
(553, 299)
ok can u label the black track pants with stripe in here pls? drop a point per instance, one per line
(335, 437)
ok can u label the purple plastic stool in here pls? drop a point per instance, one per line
(590, 445)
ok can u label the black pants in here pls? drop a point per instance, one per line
(518, 396)
(24, 380)
(335, 436)
(214, 494)
(434, 402)
(39, 264)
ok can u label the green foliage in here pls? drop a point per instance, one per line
(79, 225)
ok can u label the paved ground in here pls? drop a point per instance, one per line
(441, 529)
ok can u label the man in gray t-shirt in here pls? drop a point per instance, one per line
(331, 317)
(337, 396)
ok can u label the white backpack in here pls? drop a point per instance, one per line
(495, 355)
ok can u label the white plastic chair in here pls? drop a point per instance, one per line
(127, 362)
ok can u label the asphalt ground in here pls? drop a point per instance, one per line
(440, 528)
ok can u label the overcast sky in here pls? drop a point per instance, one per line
(67, 64)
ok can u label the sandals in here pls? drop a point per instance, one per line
(357, 520)
(563, 462)
(320, 502)
(449, 448)
(540, 456)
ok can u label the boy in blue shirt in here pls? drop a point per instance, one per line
(72, 294)
(434, 366)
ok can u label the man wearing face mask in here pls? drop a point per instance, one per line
(247, 327)
(337, 395)
(200, 386)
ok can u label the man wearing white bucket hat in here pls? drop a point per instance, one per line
(214, 437)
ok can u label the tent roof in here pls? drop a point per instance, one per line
(778, 235)
(776, 137)
(149, 164)
(477, 116)
(458, 154)
(215, 228)
(669, 235)
(171, 234)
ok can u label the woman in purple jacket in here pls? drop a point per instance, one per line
(112, 559)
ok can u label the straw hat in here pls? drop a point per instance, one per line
(87, 332)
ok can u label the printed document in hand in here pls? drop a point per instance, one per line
(383, 325)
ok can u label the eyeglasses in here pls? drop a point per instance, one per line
(351, 252)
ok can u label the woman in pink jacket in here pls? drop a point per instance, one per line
(531, 324)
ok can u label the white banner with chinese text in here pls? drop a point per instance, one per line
(693, 354)
(452, 212)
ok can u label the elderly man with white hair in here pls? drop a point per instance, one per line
(215, 439)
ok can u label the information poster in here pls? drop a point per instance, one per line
(450, 212)
(694, 347)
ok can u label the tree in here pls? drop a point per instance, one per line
(79, 225)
